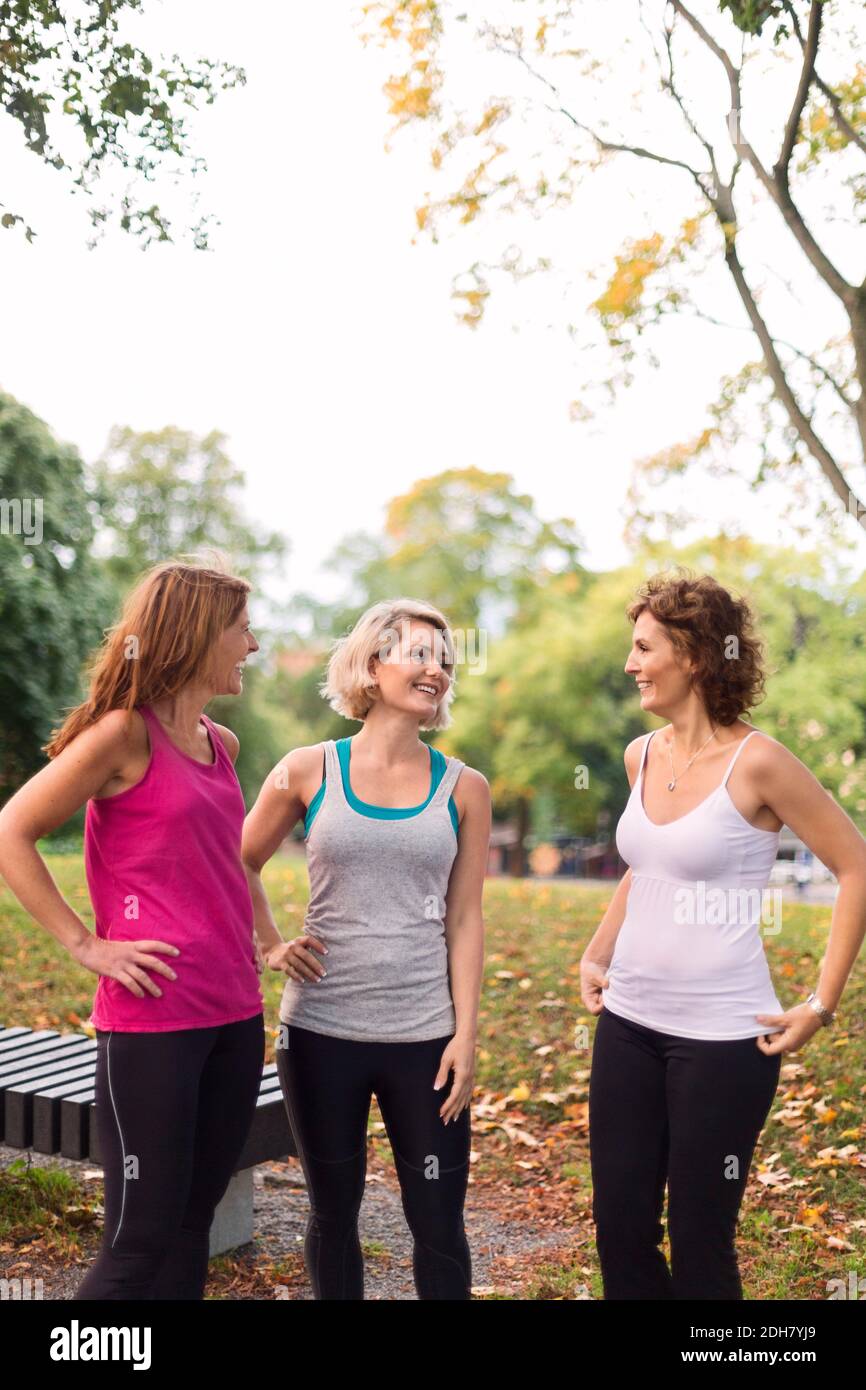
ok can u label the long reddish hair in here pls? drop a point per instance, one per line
(162, 640)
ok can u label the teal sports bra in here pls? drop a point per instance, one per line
(366, 808)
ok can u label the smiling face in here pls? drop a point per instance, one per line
(661, 672)
(231, 651)
(415, 670)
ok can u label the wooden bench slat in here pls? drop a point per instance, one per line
(52, 1102)
(12, 1064)
(18, 1104)
(46, 1111)
(75, 1124)
(11, 1038)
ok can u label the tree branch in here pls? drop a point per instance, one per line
(669, 85)
(780, 342)
(839, 117)
(706, 37)
(807, 75)
(801, 422)
(777, 189)
(639, 150)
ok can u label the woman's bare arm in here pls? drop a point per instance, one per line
(93, 759)
(798, 799)
(599, 951)
(277, 810)
(601, 947)
(464, 937)
(464, 917)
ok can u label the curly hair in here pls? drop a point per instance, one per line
(716, 632)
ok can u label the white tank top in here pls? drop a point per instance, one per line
(689, 957)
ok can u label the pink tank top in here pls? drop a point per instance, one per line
(163, 863)
(689, 957)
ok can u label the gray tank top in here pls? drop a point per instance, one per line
(377, 901)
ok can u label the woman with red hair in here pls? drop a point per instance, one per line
(178, 1008)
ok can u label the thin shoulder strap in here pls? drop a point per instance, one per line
(646, 744)
(740, 747)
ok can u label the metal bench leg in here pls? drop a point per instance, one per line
(233, 1218)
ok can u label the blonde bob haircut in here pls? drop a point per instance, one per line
(350, 686)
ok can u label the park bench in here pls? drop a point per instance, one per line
(47, 1104)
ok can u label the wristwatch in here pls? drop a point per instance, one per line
(824, 1014)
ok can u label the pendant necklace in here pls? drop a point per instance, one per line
(674, 775)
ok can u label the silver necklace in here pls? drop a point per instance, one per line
(674, 775)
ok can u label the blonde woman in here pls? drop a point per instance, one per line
(178, 1008)
(383, 986)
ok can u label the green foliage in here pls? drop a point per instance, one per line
(466, 541)
(540, 689)
(63, 73)
(751, 15)
(262, 728)
(54, 602)
(166, 492)
(554, 698)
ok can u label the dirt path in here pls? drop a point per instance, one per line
(505, 1252)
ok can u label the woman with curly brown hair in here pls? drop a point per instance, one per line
(688, 1045)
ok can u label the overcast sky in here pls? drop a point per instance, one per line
(315, 334)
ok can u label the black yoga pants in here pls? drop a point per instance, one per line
(327, 1086)
(681, 1111)
(173, 1112)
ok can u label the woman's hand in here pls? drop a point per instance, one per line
(459, 1057)
(593, 979)
(259, 958)
(126, 961)
(799, 1025)
(297, 960)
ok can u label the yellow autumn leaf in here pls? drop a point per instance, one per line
(810, 1216)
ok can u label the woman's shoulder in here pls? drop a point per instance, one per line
(764, 752)
(119, 728)
(472, 787)
(301, 769)
(632, 755)
(231, 742)
(305, 757)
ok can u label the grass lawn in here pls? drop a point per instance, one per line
(803, 1220)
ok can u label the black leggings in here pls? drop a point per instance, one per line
(684, 1111)
(327, 1086)
(173, 1112)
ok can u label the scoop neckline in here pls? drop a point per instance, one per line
(205, 724)
(355, 801)
(722, 787)
(662, 825)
